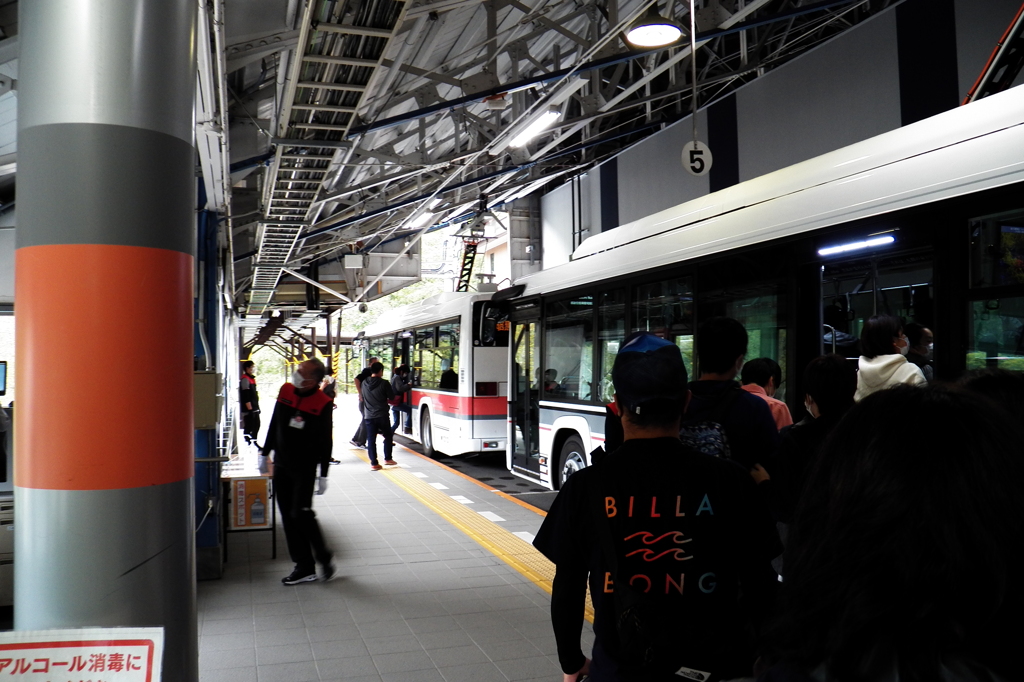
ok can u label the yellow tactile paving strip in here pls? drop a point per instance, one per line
(510, 548)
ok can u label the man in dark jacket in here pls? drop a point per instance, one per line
(376, 393)
(401, 386)
(250, 401)
(829, 384)
(300, 436)
(359, 438)
(717, 397)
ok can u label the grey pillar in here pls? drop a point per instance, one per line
(104, 260)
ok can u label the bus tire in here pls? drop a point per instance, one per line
(427, 434)
(571, 459)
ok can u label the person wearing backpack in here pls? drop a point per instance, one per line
(677, 546)
(400, 403)
(724, 420)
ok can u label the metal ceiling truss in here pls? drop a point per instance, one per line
(334, 51)
(389, 111)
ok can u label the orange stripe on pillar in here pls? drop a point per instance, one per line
(87, 319)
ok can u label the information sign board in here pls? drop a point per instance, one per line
(250, 503)
(90, 654)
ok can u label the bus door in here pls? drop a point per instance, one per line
(403, 356)
(524, 397)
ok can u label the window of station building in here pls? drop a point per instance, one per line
(611, 330)
(665, 308)
(997, 250)
(347, 368)
(996, 334)
(568, 369)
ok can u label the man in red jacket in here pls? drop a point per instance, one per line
(300, 436)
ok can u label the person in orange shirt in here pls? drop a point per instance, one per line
(762, 377)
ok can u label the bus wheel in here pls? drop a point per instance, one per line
(571, 460)
(426, 434)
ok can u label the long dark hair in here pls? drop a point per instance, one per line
(876, 338)
(904, 551)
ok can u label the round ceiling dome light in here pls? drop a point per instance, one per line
(653, 30)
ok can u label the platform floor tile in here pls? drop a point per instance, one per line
(427, 587)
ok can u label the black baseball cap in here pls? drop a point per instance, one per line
(648, 368)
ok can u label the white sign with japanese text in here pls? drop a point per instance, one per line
(86, 655)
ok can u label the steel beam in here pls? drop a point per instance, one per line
(329, 290)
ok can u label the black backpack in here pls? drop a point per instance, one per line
(707, 436)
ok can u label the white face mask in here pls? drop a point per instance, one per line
(297, 379)
(904, 350)
(808, 406)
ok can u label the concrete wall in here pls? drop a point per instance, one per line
(644, 190)
(556, 211)
(979, 24)
(842, 92)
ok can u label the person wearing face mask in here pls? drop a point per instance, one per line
(829, 383)
(921, 340)
(883, 361)
(300, 437)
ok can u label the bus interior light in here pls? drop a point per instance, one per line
(857, 246)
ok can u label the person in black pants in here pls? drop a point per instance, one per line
(401, 385)
(300, 436)
(359, 438)
(250, 401)
(376, 393)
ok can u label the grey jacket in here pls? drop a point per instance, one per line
(376, 393)
(400, 386)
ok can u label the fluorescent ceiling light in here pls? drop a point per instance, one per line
(653, 30)
(540, 124)
(856, 246)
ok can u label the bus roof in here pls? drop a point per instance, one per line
(434, 309)
(961, 151)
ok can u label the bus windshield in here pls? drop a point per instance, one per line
(490, 324)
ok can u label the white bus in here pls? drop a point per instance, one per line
(456, 345)
(925, 222)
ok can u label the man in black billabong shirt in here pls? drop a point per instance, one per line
(669, 538)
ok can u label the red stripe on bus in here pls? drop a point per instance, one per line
(465, 406)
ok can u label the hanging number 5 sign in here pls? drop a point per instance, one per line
(696, 158)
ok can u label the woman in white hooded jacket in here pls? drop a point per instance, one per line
(883, 362)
